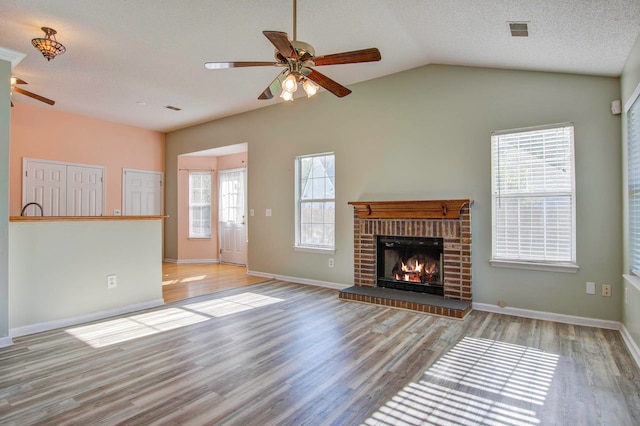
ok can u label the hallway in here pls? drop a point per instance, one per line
(182, 281)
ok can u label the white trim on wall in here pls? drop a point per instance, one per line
(67, 322)
(12, 56)
(548, 316)
(297, 280)
(189, 261)
(631, 344)
(5, 341)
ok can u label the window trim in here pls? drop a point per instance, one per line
(635, 97)
(307, 248)
(537, 265)
(191, 235)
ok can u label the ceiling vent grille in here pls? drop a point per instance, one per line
(173, 108)
(519, 29)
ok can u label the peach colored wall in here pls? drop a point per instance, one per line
(47, 134)
(233, 161)
(196, 248)
(201, 248)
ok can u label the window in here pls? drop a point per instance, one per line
(533, 186)
(633, 147)
(315, 201)
(199, 205)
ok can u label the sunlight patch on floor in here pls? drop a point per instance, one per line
(460, 387)
(110, 332)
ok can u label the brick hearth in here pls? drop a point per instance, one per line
(446, 219)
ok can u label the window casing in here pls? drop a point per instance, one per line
(633, 181)
(533, 198)
(199, 205)
(315, 202)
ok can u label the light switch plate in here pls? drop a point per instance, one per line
(591, 288)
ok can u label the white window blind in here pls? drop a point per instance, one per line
(315, 201)
(199, 205)
(533, 185)
(633, 146)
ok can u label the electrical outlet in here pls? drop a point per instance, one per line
(606, 290)
(111, 281)
(267, 212)
(330, 263)
(252, 212)
(116, 212)
(591, 288)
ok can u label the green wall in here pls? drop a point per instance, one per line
(5, 102)
(629, 80)
(425, 134)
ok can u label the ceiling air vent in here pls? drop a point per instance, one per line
(519, 29)
(173, 108)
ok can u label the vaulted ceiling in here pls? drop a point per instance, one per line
(127, 60)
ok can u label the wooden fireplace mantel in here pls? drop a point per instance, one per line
(423, 209)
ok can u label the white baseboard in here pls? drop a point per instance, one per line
(297, 280)
(631, 344)
(188, 261)
(67, 322)
(5, 341)
(549, 316)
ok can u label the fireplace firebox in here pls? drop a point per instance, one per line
(410, 263)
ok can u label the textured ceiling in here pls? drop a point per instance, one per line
(126, 60)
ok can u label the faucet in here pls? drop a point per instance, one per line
(33, 203)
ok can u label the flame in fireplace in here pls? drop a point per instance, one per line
(416, 271)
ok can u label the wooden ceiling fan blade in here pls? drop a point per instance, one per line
(281, 42)
(224, 65)
(273, 88)
(324, 81)
(33, 95)
(16, 80)
(356, 56)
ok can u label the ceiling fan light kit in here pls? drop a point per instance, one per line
(297, 58)
(48, 46)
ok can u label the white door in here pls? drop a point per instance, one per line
(231, 207)
(141, 193)
(84, 190)
(46, 184)
(62, 189)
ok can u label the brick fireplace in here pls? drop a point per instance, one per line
(446, 219)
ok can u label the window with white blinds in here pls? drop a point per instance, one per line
(533, 185)
(633, 146)
(199, 205)
(315, 201)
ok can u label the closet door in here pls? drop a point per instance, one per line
(46, 184)
(84, 190)
(62, 189)
(141, 193)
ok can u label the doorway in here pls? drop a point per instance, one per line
(141, 193)
(232, 216)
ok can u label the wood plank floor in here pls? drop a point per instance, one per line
(277, 353)
(181, 281)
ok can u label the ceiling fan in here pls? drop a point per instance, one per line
(14, 88)
(297, 58)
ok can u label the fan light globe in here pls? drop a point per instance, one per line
(290, 84)
(310, 88)
(286, 95)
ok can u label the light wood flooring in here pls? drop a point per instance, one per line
(277, 353)
(181, 281)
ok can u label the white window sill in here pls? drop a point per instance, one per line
(549, 267)
(634, 280)
(307, 249)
